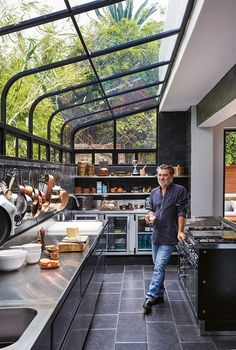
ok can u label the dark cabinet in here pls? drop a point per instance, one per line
(72, 322)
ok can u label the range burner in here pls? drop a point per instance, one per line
(215, 236)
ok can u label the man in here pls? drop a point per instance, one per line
(167, 213)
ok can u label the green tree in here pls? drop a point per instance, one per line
(230, 148)
(119, 11)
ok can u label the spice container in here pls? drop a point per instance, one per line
(53, 252)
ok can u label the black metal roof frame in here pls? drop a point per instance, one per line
(71, 12)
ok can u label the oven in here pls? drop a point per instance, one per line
(207, 273)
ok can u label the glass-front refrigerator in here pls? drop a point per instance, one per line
(117, 233)
(143, 235)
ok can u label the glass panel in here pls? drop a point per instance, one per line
(43, 152)
(66, 158)
(132, 96)
(132, 130)
(10, 146)
(135, 106)
(126, 158)
(120, 23)
(22, 148)
(35, 151)
(103, 156)
(147, 158)
(52, 154)
(131, 81)
(67, 136)
(56, 125)
(95, 137)
(29, 88)
(27, 10)
(83, 156)
(57, 156)
(127, 59)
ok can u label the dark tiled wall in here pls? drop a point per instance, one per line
(172, 138)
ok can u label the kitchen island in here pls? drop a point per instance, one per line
(59, 301)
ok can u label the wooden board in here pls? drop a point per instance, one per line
(73, 247)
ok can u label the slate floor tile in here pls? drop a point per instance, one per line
(131, 328)
(132, 293)
(104, 322)
(198, 346)
(111, 287)
(131, 346)
(176, 295)
(113, 277)
(172, 285)
(114, 268)
(108, 304)
(162, 336)
(225, 342)
(192, 334)
(133, 275)
(133, 268)
(100, 340)
(132, 305)
(182, 313)
(159, 313)
(132, 284)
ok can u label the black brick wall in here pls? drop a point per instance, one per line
(172, 138)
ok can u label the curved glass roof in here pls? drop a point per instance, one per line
(74, 63)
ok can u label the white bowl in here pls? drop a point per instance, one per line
(33, 257)
(33, 247)
(12, 259)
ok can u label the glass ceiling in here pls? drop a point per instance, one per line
(67, 64)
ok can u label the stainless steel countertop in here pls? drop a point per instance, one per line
(42, 290)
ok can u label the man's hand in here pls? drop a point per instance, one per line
(181, 236)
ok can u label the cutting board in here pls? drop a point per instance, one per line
(73, 246)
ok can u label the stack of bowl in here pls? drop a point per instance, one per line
(11, 260)
(32, 250)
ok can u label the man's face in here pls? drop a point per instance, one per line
(164, 177)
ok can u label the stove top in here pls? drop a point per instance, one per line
(216, 236)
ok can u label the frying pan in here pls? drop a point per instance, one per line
(20, 203)
(62, 200)
(6, 225)
(7, 213)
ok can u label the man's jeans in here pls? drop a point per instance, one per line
(161, 254)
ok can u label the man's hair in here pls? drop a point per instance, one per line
(166, 166)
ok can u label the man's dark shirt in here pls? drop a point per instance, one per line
(167, 209)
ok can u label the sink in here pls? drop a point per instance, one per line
(14, 322)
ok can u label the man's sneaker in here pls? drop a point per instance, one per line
(148, 305)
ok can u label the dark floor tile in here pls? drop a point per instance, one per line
(114, 268)
(132, 284)
(171, 275)
(147, 276)
(133, 268)
(111, 287)
(131, 346)
(133, 275)
(131, 328)
(132, 293)
(147, 268)
(162, 336)
(100, 340)
(104, 322)
(224, 342)
(159, 313)
(113, 277)
(132, 305)
(192, 334)
(198, 346)
(172, 285)
(176, 295)
(108, 304)
(182, 313)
